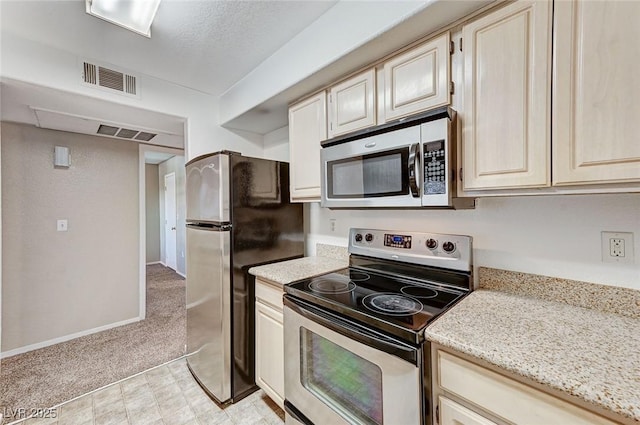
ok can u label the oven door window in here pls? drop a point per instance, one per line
(343, 380)
(368, 176)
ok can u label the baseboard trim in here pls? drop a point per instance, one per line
(31, 347)
(154, 262)
(181, 274)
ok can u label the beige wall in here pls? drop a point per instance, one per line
(175, 165)
(152, 206)
(57, 284)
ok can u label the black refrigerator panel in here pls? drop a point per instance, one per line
(266, 228)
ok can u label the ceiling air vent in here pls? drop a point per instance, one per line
(109, 78)
(144, 136)
(107, 130)
(125, 133)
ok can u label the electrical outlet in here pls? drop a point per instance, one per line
(332, 224)
(617, 247)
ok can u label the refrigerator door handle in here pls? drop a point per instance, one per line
(210, 227)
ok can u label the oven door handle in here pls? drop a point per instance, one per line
(353, 330)
(414, 157)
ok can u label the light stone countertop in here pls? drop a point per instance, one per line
(586, 353)
(301, 268)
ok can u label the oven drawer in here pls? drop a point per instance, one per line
(332, 376)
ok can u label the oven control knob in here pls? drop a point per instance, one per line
(432, 243)
(358, 237)
(448, 247)
(368, 237)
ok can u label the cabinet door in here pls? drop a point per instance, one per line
(596, 90)
(452, 413)
(352, 104)
(507, 98)
(307, 128)
(270, 352)
(418, 79)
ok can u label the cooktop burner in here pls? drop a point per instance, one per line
(334, 285)
(358, 276)
(419, 291)
(392, 304)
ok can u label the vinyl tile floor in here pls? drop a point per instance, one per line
(167, 395)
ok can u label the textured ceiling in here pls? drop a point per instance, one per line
(205, 45)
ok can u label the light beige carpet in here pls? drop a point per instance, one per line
(51, 375)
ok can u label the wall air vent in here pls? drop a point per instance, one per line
(125, 133)
(90, 73)
(109, 78)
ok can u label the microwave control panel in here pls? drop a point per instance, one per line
(435, 177)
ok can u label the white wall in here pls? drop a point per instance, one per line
(174, 165)
(548, 235)
(334, 34)
(276, 144)
(152, 212)
(35, 63)
(57, 285)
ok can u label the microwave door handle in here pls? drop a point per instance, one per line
(413, 169)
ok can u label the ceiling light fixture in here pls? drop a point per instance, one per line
(134, 15)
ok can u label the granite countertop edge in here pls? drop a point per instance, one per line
(549, 343)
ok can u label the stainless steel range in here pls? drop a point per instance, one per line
(355, 351)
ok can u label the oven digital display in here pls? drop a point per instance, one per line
(397, 241)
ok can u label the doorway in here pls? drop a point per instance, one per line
(170, 221)
(159, 168)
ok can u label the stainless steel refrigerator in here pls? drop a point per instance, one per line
(238, 216)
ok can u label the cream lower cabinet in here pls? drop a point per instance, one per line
(269, 340)
(506, 132)
(307, 128)
(452, 413)
(469, 394)
(596, 92)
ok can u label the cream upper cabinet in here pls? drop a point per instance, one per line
(352, 104)
(507, 98)
(418, 79)
(596, 114)
(307, 128)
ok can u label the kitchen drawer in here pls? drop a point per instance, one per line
(269, 293)
(451, 413)
(506, 398)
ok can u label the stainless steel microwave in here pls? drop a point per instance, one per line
(408, 163)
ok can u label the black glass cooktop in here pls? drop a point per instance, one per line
(400, 306)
